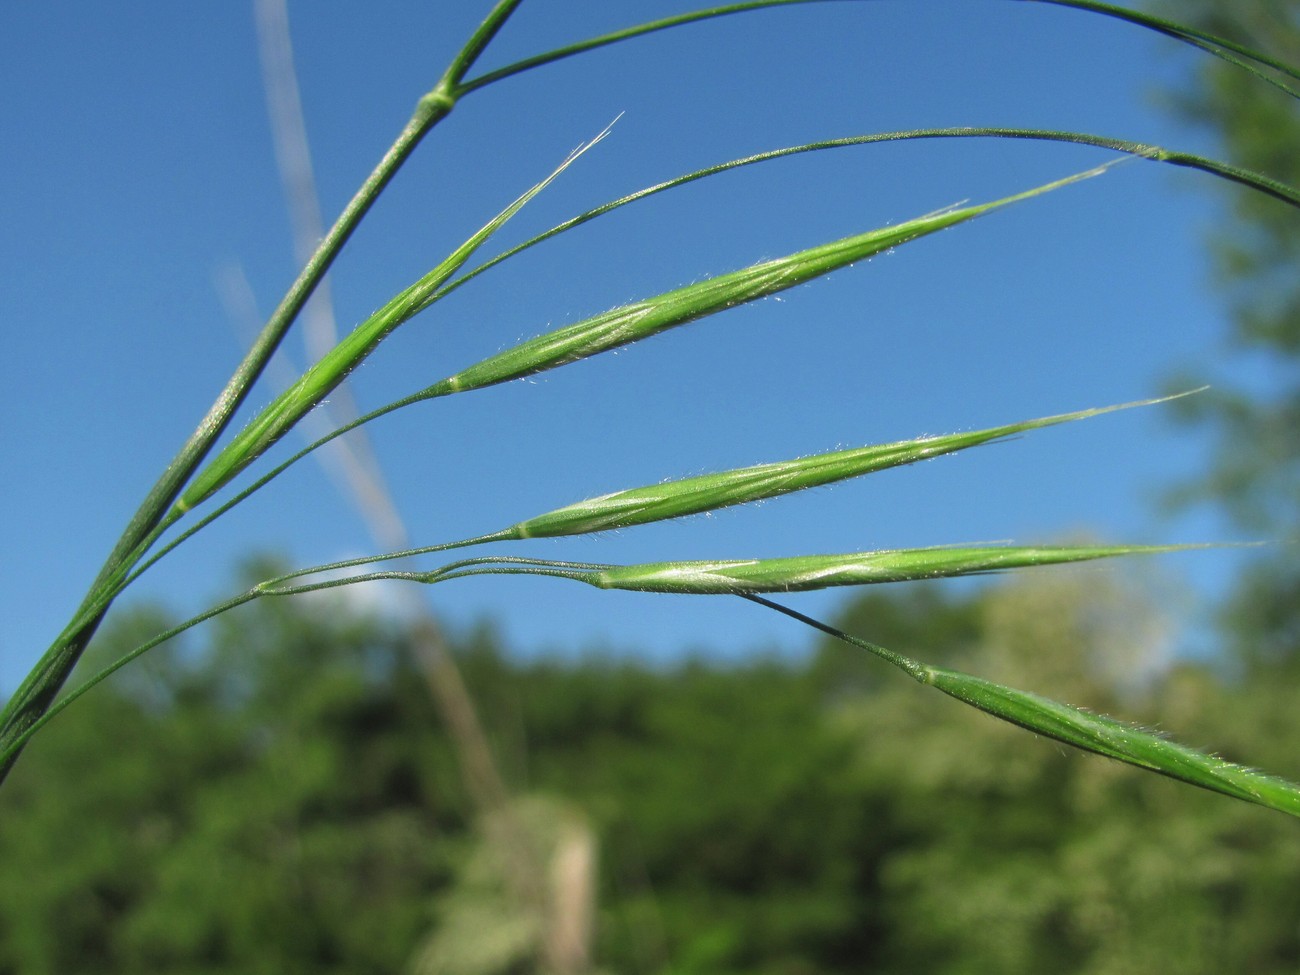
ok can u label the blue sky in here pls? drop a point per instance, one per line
(138, 165)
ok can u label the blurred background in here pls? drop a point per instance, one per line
(516, 776)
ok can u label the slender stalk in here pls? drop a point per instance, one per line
(17, 735)
(1252, 180)
(1219, 47)
(14, 744)
(614, 37)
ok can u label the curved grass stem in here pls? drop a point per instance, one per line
(1239, 55)
(12, 747)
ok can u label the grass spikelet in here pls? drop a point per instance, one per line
(1116, 739)
(805, 572)
(710, 492)
(640, 320)
(317, 382)
(1079, 728)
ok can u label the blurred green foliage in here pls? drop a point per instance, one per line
(1256, 250)
(283, 799)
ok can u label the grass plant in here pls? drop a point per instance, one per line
(186, 494)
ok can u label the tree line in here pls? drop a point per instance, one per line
(284, 799)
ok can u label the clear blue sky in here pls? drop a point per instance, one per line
(138, 163)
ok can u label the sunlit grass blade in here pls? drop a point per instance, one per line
(1084, 730)
(710, 492)
(640, 320)
(316, 383)
(805, 572)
